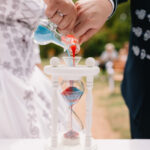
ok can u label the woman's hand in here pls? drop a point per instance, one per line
(92, 14)
(63, 13)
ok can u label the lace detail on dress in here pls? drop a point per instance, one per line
(45, 114)
(28, 97)
(18, 18)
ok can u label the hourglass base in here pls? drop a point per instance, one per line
(71, 134)
(80, 146)
(71, 138)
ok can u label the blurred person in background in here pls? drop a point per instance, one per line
(123, 53)
(119, 63)
(136, 83)
(109, 54)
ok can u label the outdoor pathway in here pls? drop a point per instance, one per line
(101, 128)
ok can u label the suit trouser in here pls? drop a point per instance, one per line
(140, 125)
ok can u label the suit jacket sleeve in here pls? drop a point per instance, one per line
(120, 1)
(116, 2)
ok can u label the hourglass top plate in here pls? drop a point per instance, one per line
(78, 71)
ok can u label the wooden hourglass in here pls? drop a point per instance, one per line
(72, 90)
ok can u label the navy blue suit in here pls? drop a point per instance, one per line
(136, 83)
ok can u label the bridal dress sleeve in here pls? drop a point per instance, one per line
(37, 54)
(25, 92)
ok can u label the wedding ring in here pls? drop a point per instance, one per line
(60, 14)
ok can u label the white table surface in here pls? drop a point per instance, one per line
(34, 144)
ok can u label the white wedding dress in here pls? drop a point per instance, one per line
(25, 92)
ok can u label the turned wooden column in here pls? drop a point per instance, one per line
(54, 139)
(89, 105)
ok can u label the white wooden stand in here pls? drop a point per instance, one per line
(72, 73)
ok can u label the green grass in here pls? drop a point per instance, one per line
(45, 62)
(113, 103)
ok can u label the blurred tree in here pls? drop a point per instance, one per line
(45, 50)
(116, 30)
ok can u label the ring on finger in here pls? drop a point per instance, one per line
(60, 13)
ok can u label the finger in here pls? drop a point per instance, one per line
(77, 22)
(64, 32)
(87, 35)
(46, 1)
(67, 30)
(65, 22)
(56, 18)
(77, 4)
(81, 28)
(50, 11)
(80, 2)
(71, 26)
(67, 8)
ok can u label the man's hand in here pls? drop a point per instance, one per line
(63, 13)
(92, 14)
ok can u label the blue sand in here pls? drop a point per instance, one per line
(43, 36)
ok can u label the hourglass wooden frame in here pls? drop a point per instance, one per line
(56, 70)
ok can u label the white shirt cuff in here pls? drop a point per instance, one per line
(113, 6)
